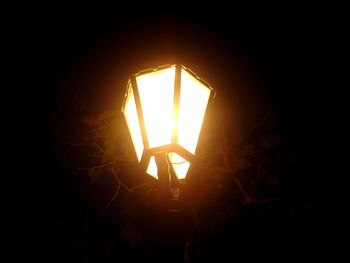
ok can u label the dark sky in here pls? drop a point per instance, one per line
(255, 58)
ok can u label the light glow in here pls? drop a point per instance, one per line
(180, 165)
(193, 103)
(132, 120)
(157, 100)
(156, 92)
(152, 168)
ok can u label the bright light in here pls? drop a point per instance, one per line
(132, 120)
(180, 165)
(157, 100)
(152, 168)
(153, 104)
(194, 98)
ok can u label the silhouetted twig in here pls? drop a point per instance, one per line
(260, 122)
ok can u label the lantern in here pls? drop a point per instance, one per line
(164, 109)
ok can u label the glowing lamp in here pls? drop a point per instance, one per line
(164, 109)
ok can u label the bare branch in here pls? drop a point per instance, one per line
(119, 182)
(100, 165)
(113, 198)
(82, 105)
(139, 186)
(261, 122)
(98, 147)
(238, 183)
(256, 181)
(147, 194)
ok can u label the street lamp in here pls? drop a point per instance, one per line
(164, 109)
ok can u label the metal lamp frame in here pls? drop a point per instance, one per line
(161, 152)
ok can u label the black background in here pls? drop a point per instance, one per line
(253, 57)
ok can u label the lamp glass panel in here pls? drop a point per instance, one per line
(132, 120)
(194, 97)
(156, 91)
(179, 164)
(152, 168)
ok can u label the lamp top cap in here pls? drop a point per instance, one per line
(150, 70)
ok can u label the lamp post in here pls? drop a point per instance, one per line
(164, 109)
